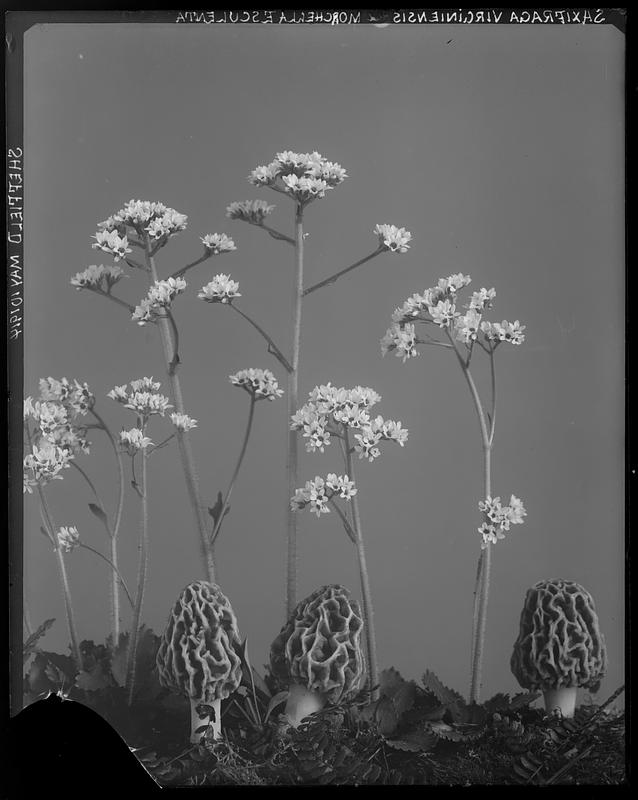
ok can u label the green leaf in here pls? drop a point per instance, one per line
(390, 681)
(29, 646)
(98, 512)
(415, 741)
(445, 696)
(523, 699)
(93, 680)
(386, 716)
(216, 510)
(275, 701)
(404, 698)
(118, 659)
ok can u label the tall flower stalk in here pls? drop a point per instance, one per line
(334, 413)
(142, 398)
(464, 333)
(54, 435)
(303, 178)
(260, 385)
(148, 226)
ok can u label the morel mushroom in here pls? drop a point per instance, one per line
(560, 646)
(198, 655)
(318, 652)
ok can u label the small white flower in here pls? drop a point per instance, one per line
(468, 326)
(251, 211)
(393, 238)
(401, 338)
(68, 539)
(146, 404)
(443, 314)
(98, 277)
(260, 383)
(110, 242)
(134, 440)
(220, 290)
(482, 299)
(218, 243)
(183, 422)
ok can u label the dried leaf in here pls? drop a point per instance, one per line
(98, 512)
(92, 680)
(386, 716)
(29, 646)
(444, 695)
(275, 701)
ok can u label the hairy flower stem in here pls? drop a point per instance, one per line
(59, 555)
(115, 575)
(293, 386)
(482, 588)
(366, 593)
(64, 579)
(113, 568)
(183, 441)
(141, 582)
(242, 453)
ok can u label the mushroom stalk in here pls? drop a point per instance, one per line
(302, 703)
(214, 720)
(293, 382)
(562, 699)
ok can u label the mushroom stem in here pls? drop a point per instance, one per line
(214, 720)
(562, 699)
(302, 703)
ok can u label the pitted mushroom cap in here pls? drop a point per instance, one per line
(320, 646)
(197, 655)
(560, 643)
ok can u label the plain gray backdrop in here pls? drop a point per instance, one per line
(501, 148)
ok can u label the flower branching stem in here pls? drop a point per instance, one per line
(293, 389)
(59, 555)
(242, 453)
(272, 347)
(113, 530)
(115, 570)
(366, 593)
(277, 235)
(482, 587)
(141, 581)
(180, 272)
(337, 275)
(183, 440)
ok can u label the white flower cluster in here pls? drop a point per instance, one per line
(56, 437)
(393, 239)
(143, 397)
(111, 242)
(499, 518)
(303, 176)
(97, 276)
(160, 295)
(44, 463)
(133, 441)
(251, 211)
(439, 305)
(260, 383)
(331, 410)
(156, 219)
(183, 422)
(68, 538)
(220, 290)
(218, 243)
(318, 492)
